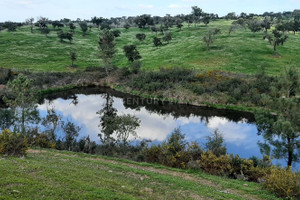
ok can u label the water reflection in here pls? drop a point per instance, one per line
(158, 120)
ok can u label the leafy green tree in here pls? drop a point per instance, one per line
(126, 26)
(57, 24)
(45, 31)
(154, 29)
(209, 38)
(188, 19)
(52, 122)
(231, 16)
(281, 130)
(42, 23)
(71, 133)
(126, 126)
(168, 37)
(206, 18)
(157, 42)
(215, 144)
(176, 141)
(10, 26)
(84, 27)
(132, 53)
(73, 58)
(232, 28)
(29, 22)
(23, 102)
(65, 35)
(179, 24)
(97, 21)
(116, 33)
(266, 24)
(277, 38)
(107, 46)
(254, 26)
(72, 27)
(140, 36)
(196, 14)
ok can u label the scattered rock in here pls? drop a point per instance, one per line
(245, 184)
(110, 171)
(16, 191)
(123, 186)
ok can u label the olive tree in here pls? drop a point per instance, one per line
(277, 38)
(209, 38)
(29, 22)
(131, 53)
(140, 36)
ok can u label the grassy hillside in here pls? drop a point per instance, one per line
(51, 174)
(243, 51)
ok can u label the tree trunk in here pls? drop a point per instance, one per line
(275, 50)
(290, 153)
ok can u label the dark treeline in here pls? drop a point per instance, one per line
(146, 21)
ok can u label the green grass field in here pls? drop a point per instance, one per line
(242, 52)
(51, 174)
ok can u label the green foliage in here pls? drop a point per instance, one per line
(157, 42)
(160, 80)
(6, 118)
(116, 33)
(209, 38)
(84, 27)
(125, 127)
(283, 182)
(276, 39)
(12, 143)
(10, 26)
(23, 102)
(65, 35)
(254, 25)
(131, 53)
(73, 58)
(107, 46)
(216, 165)
(215, 144)
(282, 131)
(107, 124)
(140, 36)
(43, 141)
(51, 122)
(72, 27)
(5, 75)
(168, 37)
(71, 134)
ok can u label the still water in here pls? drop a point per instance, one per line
(158, 119)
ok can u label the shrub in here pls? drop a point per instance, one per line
(212, 164)
(5, 75)
(12, 144)
(42, 140)
(283, 182)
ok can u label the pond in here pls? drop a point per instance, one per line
(159, 119)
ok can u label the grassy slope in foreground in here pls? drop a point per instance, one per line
(242, 52)
(51, 174)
